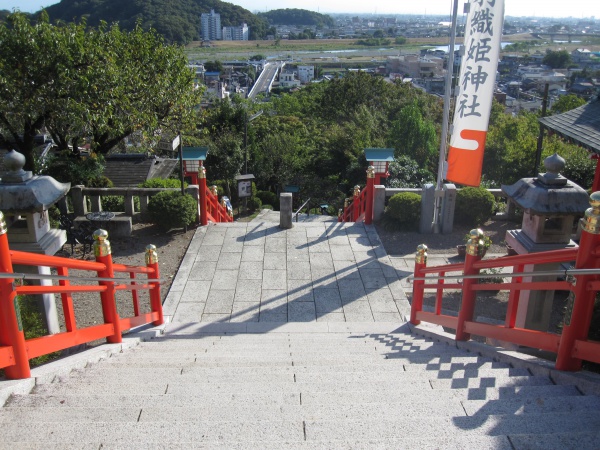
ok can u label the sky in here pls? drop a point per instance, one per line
(539, 8)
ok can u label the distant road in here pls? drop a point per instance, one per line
(265, 80)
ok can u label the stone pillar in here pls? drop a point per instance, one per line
(427, 207)
(448, 205)
(79, 203)
(379, 202)
(129, 204)
(285, 210)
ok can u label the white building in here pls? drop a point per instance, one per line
(288, 79)
(306, 73)
(240, 33)
(210, 26)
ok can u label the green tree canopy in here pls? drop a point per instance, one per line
(567, 103)
(99, 85)
(557, 59)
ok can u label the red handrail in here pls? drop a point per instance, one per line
(361, 207)
(210, 207)
(16, 351)
(571, 347)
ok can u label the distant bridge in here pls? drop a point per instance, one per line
(569, 36)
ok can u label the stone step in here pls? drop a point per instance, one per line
(323, 393)
(492, 425)
(425, 443)
(250, 412)
(452, 371)
(207, 431)
(299, 374)
(554, 441)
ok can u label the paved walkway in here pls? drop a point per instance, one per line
(319, 270)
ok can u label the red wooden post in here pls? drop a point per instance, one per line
(370, 195)
(467, 309)
(203, 202)
(580, 305)
(155, 300)
(418, 285)
(11, 328)
(103, 254)
(356, 204)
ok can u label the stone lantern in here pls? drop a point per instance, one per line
(551, 204)
(24, 201)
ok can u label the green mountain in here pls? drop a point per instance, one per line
(177, 20)
(297, 17)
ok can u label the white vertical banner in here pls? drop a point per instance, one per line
(483, 35)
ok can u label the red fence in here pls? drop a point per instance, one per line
(571, 346)
(361, 206)
(210, 207)
(16, 351)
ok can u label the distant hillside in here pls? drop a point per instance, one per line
(177, 20)
(296, 17)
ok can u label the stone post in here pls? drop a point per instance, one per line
(79, 203)
(379, 202)
(427, 207)
(285, 211)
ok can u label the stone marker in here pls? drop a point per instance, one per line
(285, 210)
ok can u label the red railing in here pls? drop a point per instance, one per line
(354, 211)
(361, 206)
(210, 207)
(16, 351)
(571, 346)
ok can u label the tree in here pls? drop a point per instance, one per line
(412, 135)
(31, 64)
(99, 85)
(213, 66)
(557, 59)
(567, 103)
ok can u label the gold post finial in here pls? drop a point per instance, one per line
(475, 245)
(202, 172)
(592, 215)
(214, 190)
(151, 255)
(421, 255)
(371, 172)
(356, 190)
(101, 244)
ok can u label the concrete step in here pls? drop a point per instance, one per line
(207, 431)
(307, 393)
(425, 443)
(450, 407)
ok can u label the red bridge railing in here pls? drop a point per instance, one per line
(210, 207)
(360, 207)
(583, 282)
(16, 351)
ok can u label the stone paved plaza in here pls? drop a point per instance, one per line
(316, 271)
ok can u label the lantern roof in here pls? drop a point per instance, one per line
(379, 154)
(194, 153)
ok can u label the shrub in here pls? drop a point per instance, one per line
(254, 203)
(403, 212)
(162, 183)
(170, 209)
(474, 205)
(268, 198)
(116, 203)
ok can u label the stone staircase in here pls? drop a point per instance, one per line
(301, 386)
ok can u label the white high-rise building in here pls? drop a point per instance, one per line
(210, 26)
(240, 33)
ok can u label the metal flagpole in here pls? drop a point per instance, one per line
(446, 118)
